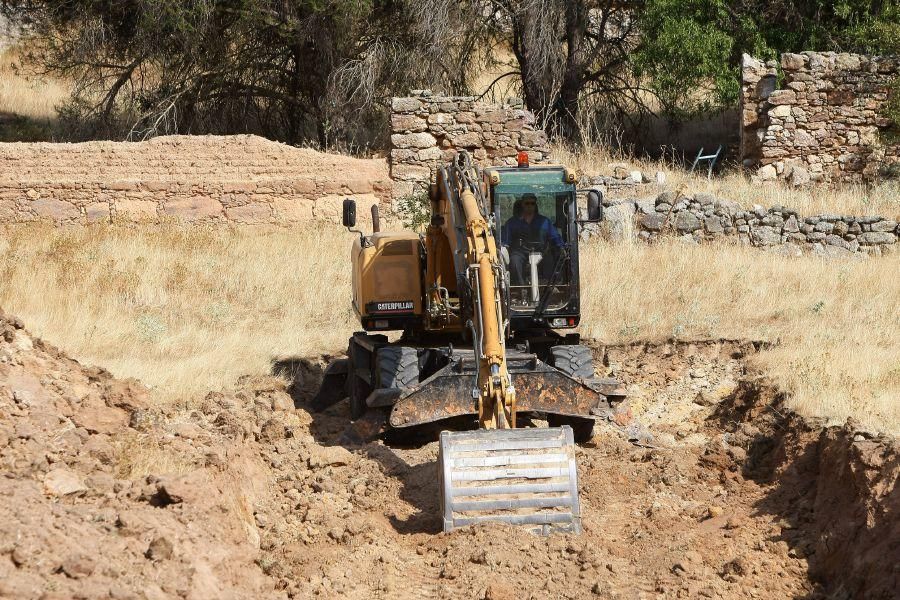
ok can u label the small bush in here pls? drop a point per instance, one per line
(414, 210)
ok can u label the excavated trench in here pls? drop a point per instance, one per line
(714, 490)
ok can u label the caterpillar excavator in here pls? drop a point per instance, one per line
(481, 300)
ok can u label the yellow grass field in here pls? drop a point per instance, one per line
(187, 310)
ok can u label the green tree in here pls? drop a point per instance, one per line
(692, 47)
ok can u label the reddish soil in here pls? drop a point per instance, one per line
(255, 496)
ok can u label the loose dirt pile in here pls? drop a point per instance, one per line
(249, 496)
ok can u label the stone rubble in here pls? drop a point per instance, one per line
(704, 217)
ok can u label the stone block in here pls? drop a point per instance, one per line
(653, 221)
(799, 176)
(765, 236)
(255, 212)
(58, 210)
(713, 225)
(194, 208)
(781, 111)
(620, 221)
(767, 173)
(135, 210)
(440, 119)
(792, 62)
(779, 97)
(466, 140)
(413, 140)
(433, 154)
(533, 139)
(402, 123)
(886, 225)
(687, 222)
(405, 105)
(877, 237)
(836, 240)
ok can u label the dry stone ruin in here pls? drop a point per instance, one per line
(7, 34)
(705, 217)
(206, 179)
(826, 121)
(427, 130)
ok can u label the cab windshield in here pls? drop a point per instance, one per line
(533, 230)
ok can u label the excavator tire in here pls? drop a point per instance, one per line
(575, 361)
(397, 367)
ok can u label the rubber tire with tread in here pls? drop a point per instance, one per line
(397, 367)
(575, 361)
(357, 389)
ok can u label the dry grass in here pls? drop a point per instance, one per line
(835, 322)
(28, 97)
(184, 310)
(188, 310)
(846, 199)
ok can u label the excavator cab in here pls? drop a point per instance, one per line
(537, 229)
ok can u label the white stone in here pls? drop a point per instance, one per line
(767, 173)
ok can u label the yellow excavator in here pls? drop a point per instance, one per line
(480, 300)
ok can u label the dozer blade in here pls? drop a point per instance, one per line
(519, 476)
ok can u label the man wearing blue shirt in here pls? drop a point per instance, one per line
(525, 232)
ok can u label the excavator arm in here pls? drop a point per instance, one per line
(496, 394)
(499, 473)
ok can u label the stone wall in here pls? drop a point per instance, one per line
(427, 131)
(7, 34)
(228, 179)
(824, 123)
(704, 217)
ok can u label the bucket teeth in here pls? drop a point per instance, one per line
(523, 477)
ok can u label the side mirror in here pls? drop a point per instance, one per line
(349, 216)
(594, 208)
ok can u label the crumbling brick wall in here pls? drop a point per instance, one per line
(216, 179)
(428, 130)
(7, 34)
(824, 123)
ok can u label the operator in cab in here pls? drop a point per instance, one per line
(525, 232)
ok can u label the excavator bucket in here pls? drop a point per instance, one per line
(523, 477)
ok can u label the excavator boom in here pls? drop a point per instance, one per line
(499, 473)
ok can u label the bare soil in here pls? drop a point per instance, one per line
(253, 495)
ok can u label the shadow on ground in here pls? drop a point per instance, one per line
(832, 489)
(331, 426)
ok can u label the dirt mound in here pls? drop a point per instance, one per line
(242, 495)
(71, 524)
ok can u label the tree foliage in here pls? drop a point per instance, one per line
(321, 71)
(294, 70)
(691, 43)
